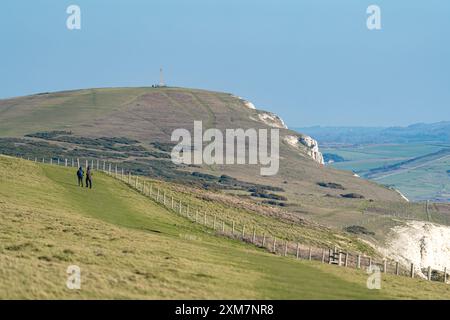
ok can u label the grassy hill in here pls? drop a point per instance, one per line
(132, 127)
(130, 247)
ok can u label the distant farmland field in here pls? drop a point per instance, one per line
(418, 170)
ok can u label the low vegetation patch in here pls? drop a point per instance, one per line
(166, 147)
(352, 196)
(331, 157)
(275, 203)
(359, 230)
(331, 185)
(48, 135)
(268, 196)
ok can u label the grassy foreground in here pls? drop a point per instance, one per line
(130, 247)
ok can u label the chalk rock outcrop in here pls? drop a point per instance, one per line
(269, 118)
(302, 142)
(246, 103)
(308, 143)
(249, 105)
(273, 120)
(422, 243)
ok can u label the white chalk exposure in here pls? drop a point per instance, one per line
(312, 146)
(402, 195)
(292, 140)
(249, 105)
(275, 121)
(422, 243)
(271, 119)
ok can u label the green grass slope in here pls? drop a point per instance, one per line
(130, 247)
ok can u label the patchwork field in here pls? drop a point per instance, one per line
(418, 170)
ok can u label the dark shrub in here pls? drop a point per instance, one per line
(352, 196)
(359, 230)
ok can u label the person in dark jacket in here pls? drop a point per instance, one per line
(89, 178)
(80, 174)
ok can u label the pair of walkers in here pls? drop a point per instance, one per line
(80, 175)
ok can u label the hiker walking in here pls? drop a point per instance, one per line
(89, 178)
(80, 174)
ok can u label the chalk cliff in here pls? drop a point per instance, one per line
(308, 143)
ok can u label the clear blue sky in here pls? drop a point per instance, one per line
(313, 62)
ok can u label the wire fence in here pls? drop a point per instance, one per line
(251, 234)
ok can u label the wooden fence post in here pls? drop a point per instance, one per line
(223, 226)
(340, 259)
(385, 265)
(122, 176)
(205, 219)
(330, 254)
(180, 207)
(98, 162)
(445, 275)
(323, 255)
(285, 248)
(65, 163)
(232, 228)
(358, 262)
(310, 254)
(135, 181)
(297, 252)
(243, 232)
(429, 273)
(370, 262)
(275, 245)
(254, 235)
(104, 166)
(264, 240)
(397, 268)
(164, 198)
(214, 223)
(412, 270)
